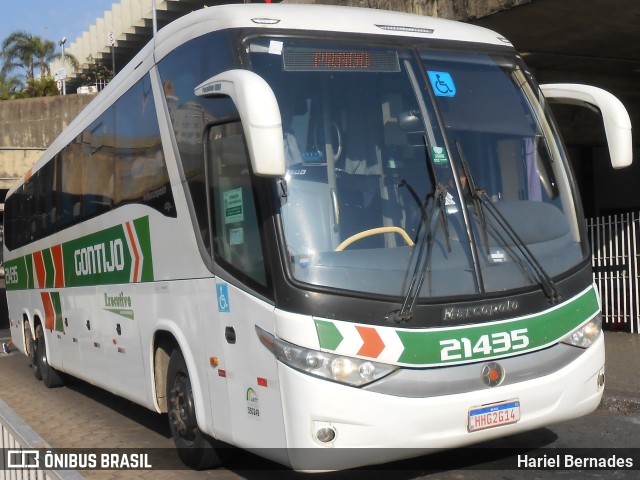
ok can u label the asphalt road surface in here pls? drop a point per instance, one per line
(83, 416)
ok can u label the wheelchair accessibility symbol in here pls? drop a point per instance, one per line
(442, 84)
(223, 297)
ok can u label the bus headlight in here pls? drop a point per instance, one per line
(585, 335)
(348, 370)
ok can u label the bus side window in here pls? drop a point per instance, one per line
(70, 192)
(141, 174)
(237, 238)
(98, 184)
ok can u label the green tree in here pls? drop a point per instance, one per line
(32, 56)
(18, 52)
(22, 50)
(10, 87)
(40, 87)
(44, 53)
(97, 74)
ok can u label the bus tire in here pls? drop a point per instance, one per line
(31, 349)
(50, 376)
(195, 449)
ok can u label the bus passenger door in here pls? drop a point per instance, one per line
(237, 244)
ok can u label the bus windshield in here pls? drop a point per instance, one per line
(403, 161)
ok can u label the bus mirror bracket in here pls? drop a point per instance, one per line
(617, 124)
(259, 114)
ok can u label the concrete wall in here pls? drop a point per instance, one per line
(28, 126)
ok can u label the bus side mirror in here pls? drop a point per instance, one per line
(617, 124)
(259, 114)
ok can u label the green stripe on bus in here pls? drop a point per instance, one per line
(57, 308)
(49, 270)
(141, 226)
(426, 347)
(328, 335)
(467, 343)
(102, 258)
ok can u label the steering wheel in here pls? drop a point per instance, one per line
(375, 231)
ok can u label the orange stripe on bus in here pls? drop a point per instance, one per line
(372, 343)
(58, 265)
(49, 313)
(41, 273)
(136, 265)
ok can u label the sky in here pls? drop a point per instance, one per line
(51, 19)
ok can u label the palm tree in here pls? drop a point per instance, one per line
(26, 51)
(9, 86)
(44, 52)
(18, 51)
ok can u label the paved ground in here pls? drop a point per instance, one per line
(123, 424)
(622, 371)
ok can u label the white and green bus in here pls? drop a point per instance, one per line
(301, 228)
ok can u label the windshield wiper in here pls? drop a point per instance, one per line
(424, 248)
(481, 199)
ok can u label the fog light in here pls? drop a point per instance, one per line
(600, 379)
(326, 435)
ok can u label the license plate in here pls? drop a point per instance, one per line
(493, 415)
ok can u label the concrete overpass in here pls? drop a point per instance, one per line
(131, 22)
(595, 42)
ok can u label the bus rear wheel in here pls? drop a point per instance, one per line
(50, 376)
(195, 449)
(30, 345)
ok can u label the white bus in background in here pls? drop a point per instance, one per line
(301, 228)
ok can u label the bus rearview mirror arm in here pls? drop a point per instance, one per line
(617, 124)
(259, 113)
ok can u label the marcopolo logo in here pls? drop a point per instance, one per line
(485, 310)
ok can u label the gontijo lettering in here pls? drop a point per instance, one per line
(99, 258)
(119, 254)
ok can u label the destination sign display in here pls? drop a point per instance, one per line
(309, 60)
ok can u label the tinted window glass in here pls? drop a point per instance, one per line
(181, 71)
(117, 160)
(140, 171)
(237, 239)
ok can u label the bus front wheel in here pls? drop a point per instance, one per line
(194, 448)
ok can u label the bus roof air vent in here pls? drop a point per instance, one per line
(403, 28)
(266, 21)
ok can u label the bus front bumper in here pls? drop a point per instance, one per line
(373, 428)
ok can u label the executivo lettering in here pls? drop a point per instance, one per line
(117, 301)
(99, 258)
